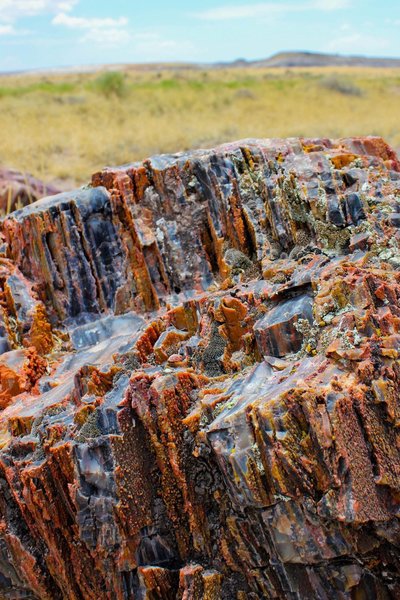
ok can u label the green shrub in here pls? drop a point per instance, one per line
(46, 87)
(111, 84)
(341, 86)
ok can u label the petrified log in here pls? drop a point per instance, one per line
(20, 189)
(200, 375)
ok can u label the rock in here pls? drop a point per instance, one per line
(359, 241)
(278, 333)
(12, 381)
(167, 342)
(395, 219)
(200, 379)
(21, 189)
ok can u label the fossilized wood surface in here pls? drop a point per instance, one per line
(199, 379)
(19, 189)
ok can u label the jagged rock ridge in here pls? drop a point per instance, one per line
(199, 379)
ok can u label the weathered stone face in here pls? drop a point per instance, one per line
(199, 379)
(279, 332)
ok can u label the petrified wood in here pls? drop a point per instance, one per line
(199, 379)
(19, 189)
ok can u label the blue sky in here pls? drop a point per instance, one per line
(51, 33)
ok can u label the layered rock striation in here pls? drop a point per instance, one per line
(199, 379)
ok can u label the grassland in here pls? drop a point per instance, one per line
(63, 128)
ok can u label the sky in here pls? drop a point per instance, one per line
(38, 34)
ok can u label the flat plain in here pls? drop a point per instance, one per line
(63, 127)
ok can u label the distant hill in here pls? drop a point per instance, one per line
(314, 59)
(281, 59)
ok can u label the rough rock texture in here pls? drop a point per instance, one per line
(19, 189)
(199, 379)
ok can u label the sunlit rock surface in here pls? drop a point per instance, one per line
(199, 379)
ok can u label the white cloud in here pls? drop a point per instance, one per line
(88, 23)
(107, 37)
(344, 42)
(7, 30)
(267, 9)
(11, 10)
(331, 4)
(358, 43)
(153, 43)
(150, 46)
(105, 31)
(224, 13)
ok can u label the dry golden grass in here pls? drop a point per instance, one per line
(63, 128)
